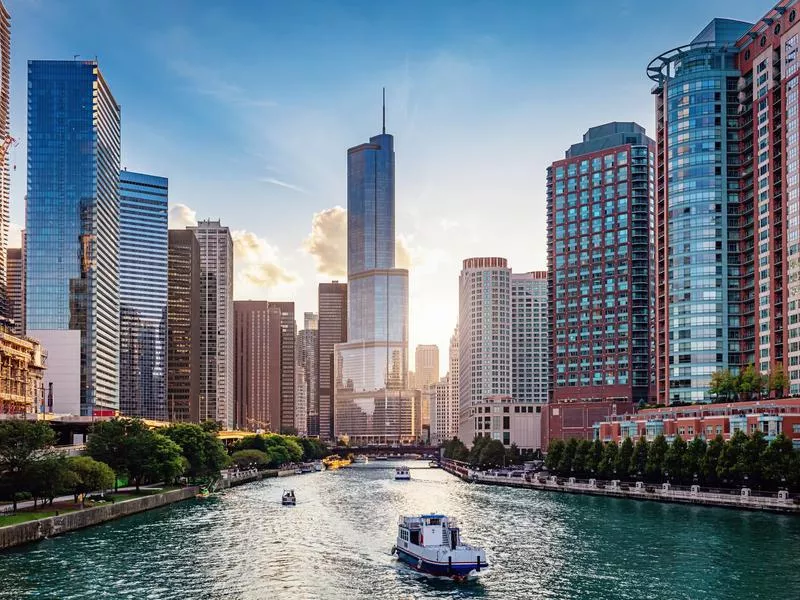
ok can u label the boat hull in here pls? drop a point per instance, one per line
(439, 569)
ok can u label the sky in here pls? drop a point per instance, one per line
(248, 108)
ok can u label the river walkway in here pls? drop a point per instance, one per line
(743, 499)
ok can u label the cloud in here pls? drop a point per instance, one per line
(283, 184)
(257, 262)
(181, 216)
(402, 253)
(327, 242)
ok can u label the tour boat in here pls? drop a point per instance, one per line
(402, 473)
(360, 459)
(318, 466)
(432, 544)
(289, 498)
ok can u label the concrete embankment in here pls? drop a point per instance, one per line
(32, 531)
(739, 499)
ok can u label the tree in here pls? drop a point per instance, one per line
(778, 380)
(210, 426)
(723, 385)
(749, 382)
(749, 463)
(674, 458)
(780, 463)
(456, 450)
(89, 475)
(204, 452)
(595, 455)
(245, 458)
(581, 458)
(513, 456)
(165, 461)
(639, 458)
(478, 444)
(48, 477)
(493, 454)
(313, 449)
(709, 465)
(606, 468)
(728, 464)
(564, 466)
(22, 443)
(655, 458)
(623, 464)
(693, 459)
(116, 443)
(554, 454)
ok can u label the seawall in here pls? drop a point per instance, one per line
(615, 489)
(33, 531)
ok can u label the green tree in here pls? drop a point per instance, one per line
(48, 477)
(204, 452)
(606, 468)
(778, 380)
(674, 458)
(313, 449)
(749, 463)
(564, 466)
(729, 464)
(749, 382)
(581, 458)
(493, 454)
(780, 462)
(478, 444)
(709, 465)
(245, 458)
(456, 450)
(22, 443)
(656, 454)
(117, 444)
(513, 456)
(554, 454)
(165, 460)
(89, 475)
(595, 455)
(210, 426)
(623, 464)
(723, 385)
(693, 459)
(638, 466)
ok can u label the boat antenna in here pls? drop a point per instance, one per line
(384, 111)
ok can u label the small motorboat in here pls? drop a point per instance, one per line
(298, 471)
(432, 544)
(360, 460)
(433, 464)
(319, 466)
(203, 493)
(289, 499)
(402, 473)
(306, 468)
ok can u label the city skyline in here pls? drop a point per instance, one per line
(432, 93)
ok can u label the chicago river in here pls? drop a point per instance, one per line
(336, 543)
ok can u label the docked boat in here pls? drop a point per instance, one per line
(432, 544)
(318, 466)
(360, 460)
(288, 499)
(433, 464)
(307, 468)
(381, 457)
(298, 471)
(402, 473)
(203, 493)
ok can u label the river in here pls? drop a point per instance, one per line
(336, 544)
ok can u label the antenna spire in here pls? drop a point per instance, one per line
(384, 111)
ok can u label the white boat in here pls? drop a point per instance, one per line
(402, 473)
(360, 459)
(433, 464)
(319, 466)
(288, 498)
(381, 457)
(432, 544)
(306, 468)
(298, 471)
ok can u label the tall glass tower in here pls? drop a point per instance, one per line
(143, 264)
(371, 400)
(72, 224)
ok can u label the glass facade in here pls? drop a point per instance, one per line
(72, 218)
(529, 337)
(143, 263)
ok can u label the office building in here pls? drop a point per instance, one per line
(72, 230)
(372, 402)
(288, 360)
(143, 263)
(332, 303)
(15, 278)
(257, 359)
(5, 161)
(529, 337)
(183, 327)
(426, 365)
(216, 322)
(307, 340)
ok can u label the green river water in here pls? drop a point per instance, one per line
(336, 544)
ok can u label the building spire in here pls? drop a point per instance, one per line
(384, 111)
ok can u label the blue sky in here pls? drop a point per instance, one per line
(248, 107)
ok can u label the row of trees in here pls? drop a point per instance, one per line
(273, 450)
(743, 460)
(485, 452)
(748, 384)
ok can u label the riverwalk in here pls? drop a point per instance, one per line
(743, 499)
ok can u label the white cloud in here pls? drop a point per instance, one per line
(258, 267)
(181, 216)
(327, 242)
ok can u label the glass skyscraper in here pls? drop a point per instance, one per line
(371, 399)
(72, 225)
(143, 265)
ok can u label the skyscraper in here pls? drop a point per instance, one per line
(216, 322)
(599, 201)
(5, 130)
(372, 402)
(183, 327)
(72, 226)
(143, 263)
(426, 365)
(259, 380)
(307, 361)
(529, 348)
(15, 264)
(332, 303)
(288, 361)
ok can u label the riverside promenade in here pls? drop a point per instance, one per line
(742, 499)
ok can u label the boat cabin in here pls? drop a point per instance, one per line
(429, 530)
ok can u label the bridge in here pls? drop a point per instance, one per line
(387, 451)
